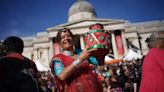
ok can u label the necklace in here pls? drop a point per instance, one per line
(68, 53)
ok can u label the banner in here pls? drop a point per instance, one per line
(119, 44)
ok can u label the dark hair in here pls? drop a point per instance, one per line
(60, 32)
(14, 44)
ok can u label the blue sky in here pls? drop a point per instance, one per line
(27, 17)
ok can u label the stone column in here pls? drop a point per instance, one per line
(35, 54)
(114, 46)
(51, 49)
(47, 58)
(82, 42)
(48, 55)
(136, 40)
(124, 41)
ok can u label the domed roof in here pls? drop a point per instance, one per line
(81, 6)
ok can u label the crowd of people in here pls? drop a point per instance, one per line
(46, 81)
(123, 76)
(78, 71)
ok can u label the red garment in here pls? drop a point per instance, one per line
(82, 80)
(153, 71)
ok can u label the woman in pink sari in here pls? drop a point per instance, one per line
(71, 69)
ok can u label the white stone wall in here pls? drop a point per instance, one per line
(28, 52)
(80, 16)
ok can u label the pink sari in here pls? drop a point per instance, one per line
(82, 80)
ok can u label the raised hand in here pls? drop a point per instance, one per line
(86, 54)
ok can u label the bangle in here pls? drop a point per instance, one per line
(76, 63)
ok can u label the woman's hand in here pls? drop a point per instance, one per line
(86, 54)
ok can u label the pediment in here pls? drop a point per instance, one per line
(84, 23)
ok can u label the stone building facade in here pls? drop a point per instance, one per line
(81, 15)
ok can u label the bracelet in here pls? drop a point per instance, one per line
(76, 63)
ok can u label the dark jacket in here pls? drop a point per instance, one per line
(17, 75)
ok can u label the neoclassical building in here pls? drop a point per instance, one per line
(81, 15)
